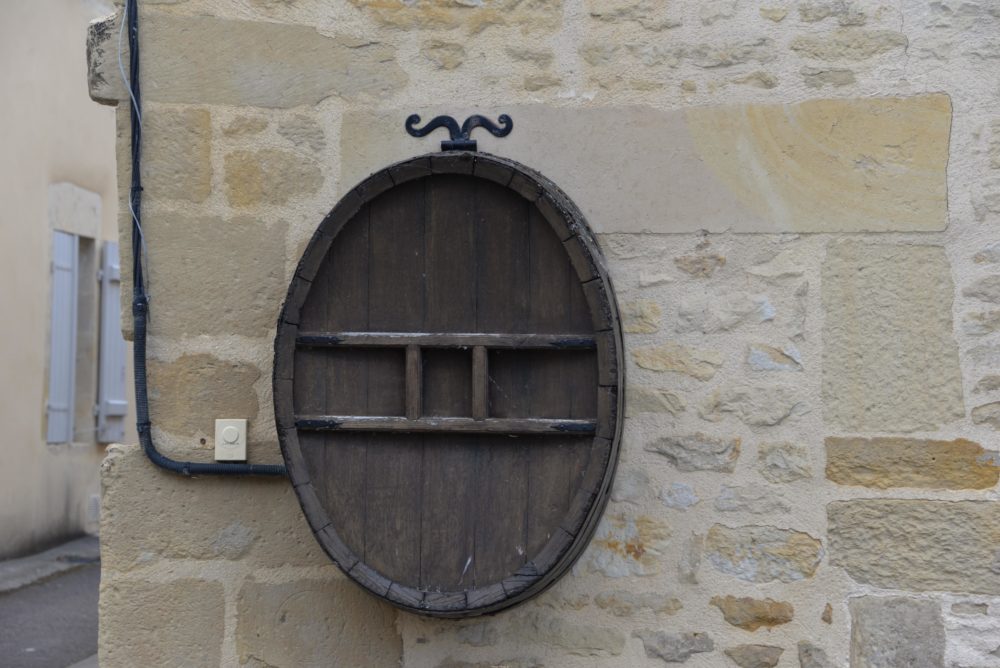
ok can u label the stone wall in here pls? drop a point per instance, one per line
(796, 200)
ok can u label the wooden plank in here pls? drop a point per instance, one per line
(411, 169)
(406, 596)
(449, 482)
(339, 299)
(493, 170)
(503, 252)
(453, 162)
(556, 341)
(414, 382)
(560, 385)
(446, 600)
(392, 505)
(461, 425)
(480, 383)
(485, 596)
(555, 216)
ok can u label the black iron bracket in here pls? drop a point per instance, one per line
(460, 140)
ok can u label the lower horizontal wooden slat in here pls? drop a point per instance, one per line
(435, 340)
(445, 424)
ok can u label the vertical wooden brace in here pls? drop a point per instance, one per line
(480, 383)
(414, 382)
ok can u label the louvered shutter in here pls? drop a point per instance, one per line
(112, 400)
(62, 342)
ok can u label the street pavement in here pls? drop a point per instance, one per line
(48, 612)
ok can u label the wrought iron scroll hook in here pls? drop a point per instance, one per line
(460, 140)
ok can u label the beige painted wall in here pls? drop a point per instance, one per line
(52, 133)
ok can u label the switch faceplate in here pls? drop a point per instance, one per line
(230, 440)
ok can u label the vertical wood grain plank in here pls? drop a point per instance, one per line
(557, 378)
(341, 302)
(394, 462)
(503, 253)
(449, 483)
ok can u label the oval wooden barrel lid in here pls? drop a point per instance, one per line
(448, 383)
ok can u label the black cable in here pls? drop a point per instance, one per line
(140, 301)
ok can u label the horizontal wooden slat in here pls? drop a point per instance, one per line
(434, 340)
(444, 424)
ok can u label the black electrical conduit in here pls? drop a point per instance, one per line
(140, 301)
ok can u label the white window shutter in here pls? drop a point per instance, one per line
(112, 399)
(62, 342)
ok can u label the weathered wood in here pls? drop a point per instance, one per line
(569, 341)
(502, 305)
(463, 425)
(411, 169)
(480, 383)
(447, 270)
(494, 171)
(391, 517)
(449, 481)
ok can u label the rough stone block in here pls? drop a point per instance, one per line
(176, 154)
(177, 623)
(753, 499)
(674, 647)
(988, 414)
(850, 44)
(918, 545)
(625, 604)
(641, 317)
(711, 314)
(199, 290)
(536, 628)
(694, 362)
(849, 165)
(756, 406)
(811, 656)
(751, 614)
(783, 462)
(909, 462)
(653, 400)
(444, 55)
(649, 14)
(472, 16)
(242, 63)
(762, 357)
(149, 514)
(698, 452)
(269, 176)
(763, 553)
(314, 623)
(890, 362)
(755, 656)
(625, 546)
(303, 131)
(891, 632)
(189, 393)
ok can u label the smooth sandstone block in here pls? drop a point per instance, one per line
(312, 622)
(854, 165)
(241, 63)
(140, 623)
